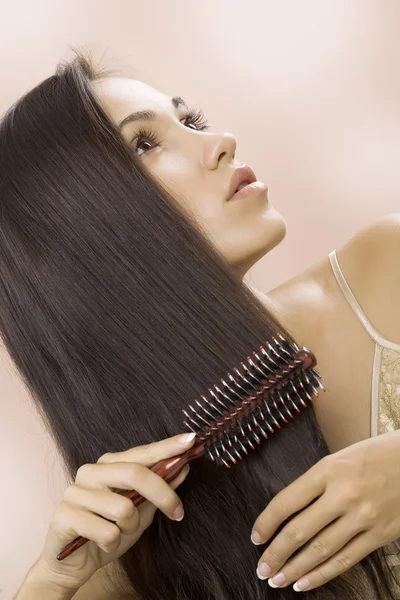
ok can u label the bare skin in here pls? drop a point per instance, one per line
(355, 492)
(313, 307)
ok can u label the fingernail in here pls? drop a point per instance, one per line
(187, 438)
(277, 580)
(178, 513)
(301, 584)
(256, 538)
(263, 571)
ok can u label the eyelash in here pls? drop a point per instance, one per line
(194, 117)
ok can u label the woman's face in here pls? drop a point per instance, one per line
(196, 166)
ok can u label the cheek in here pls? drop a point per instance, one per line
(188, 188)
(191, 194)
(175, 176)
(205, 211)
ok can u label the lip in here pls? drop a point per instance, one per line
(242, 174)
(255, 189)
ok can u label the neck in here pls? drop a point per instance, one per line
(282, 313)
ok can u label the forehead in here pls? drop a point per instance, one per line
(121, 96)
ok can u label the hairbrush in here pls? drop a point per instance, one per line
(250, 404)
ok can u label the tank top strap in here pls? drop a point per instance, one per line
(351, 299)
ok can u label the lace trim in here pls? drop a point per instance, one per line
(389, 391)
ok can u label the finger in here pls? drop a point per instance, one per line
(109, 505)
(180, 478)
(297, 532)
(132, 476)
(330, 541)
(146, 511)
(290, 500)
(357, 549)
(150, 454)
(70, 521)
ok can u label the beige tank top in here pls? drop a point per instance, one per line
(385, 396)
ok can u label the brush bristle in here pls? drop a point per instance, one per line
(251, 403)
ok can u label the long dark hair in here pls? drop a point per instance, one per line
(117, 311)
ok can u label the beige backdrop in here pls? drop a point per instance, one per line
(311, 90)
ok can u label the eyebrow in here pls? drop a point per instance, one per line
(150, 115)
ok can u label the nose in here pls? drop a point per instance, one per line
(216, 148)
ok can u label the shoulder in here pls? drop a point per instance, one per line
(370, 262)
(374, 252)
(377, 242)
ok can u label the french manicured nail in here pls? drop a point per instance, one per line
(256, 538)
(277, 580)
(178, 513)
(187, 438)
(263, 571)
(301, 584)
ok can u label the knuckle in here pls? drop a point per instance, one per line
(61, 517)
(110, 535)
(344, 562)
(134, 474)
(70, 493)
(339, 463)
(105, 458)
(123, 509)
(168, 501)
(294, 535)
(146, 448)
(327, 466)
(326, 462)
(348, 496)
(272, 557)
(319, 549)
(294, 572)
(352, 493)
(82, 473)
(150, 453)
(368, 513)
(384, 532)
(322, 578)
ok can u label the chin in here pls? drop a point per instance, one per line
(275, 228)
(265, 236)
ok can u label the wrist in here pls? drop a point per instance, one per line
(39, 586)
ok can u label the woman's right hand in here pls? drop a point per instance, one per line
(90, 501)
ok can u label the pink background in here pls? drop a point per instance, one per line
(310, 89)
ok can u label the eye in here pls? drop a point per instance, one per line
(145, 137)
(194, 117)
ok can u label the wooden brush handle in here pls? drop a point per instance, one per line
(168, 469)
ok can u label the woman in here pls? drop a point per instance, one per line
(121, 298)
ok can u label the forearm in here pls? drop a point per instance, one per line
(37, 587)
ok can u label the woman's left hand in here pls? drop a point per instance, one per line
(355, 496)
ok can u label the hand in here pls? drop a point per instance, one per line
(355, 496)
(90, 501)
